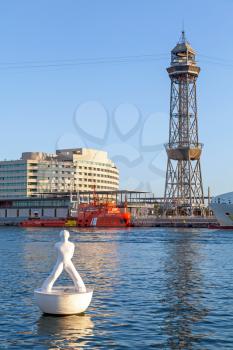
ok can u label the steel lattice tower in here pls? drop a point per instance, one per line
(183, 188)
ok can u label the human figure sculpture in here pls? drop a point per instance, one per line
(65, 252)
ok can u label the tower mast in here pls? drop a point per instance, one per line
(183, 188)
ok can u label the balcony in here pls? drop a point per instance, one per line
(179, 151)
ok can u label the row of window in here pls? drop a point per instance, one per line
(41, 178)
(5, 178)
(70, 172)
(98, 187)
(12, 190)
(54, 181)
(46, 173)
(13, 171)
(47, 203)
(58, 179)
(7, 196)
(93, 163)
(13, 184)
(54, 165)
(12, 165)
(51, 164)
(99, 175)
(99, 181)
(97, 169)
(34, 190)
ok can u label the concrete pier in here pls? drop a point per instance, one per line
(150, 221)
(182, 221)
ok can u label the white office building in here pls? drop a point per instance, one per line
(69, 170)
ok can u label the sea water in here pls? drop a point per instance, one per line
(153, 288)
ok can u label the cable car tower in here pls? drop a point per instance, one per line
(183, 188)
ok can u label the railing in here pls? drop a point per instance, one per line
(184, 145)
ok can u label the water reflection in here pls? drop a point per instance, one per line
(184, 294)
(71, 332)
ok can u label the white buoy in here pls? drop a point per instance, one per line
(63, 300)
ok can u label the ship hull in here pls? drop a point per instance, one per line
(87, 218)
(222, 207)
(43, 223)
(218, 227)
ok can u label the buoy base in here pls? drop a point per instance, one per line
(63, 301)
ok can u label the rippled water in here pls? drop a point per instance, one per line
(154, 288)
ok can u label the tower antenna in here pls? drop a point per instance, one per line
(183, 39)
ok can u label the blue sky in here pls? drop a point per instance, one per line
(54, 92)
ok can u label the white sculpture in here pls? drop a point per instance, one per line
(65, 252)
(63, 300)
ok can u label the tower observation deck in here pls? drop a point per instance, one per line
(183, 188)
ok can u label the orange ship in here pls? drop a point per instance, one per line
(102, 215)
(95, 214)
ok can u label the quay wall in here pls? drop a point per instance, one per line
(195, 222)
(13, 216)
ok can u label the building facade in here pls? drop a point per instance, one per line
(69, 170)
